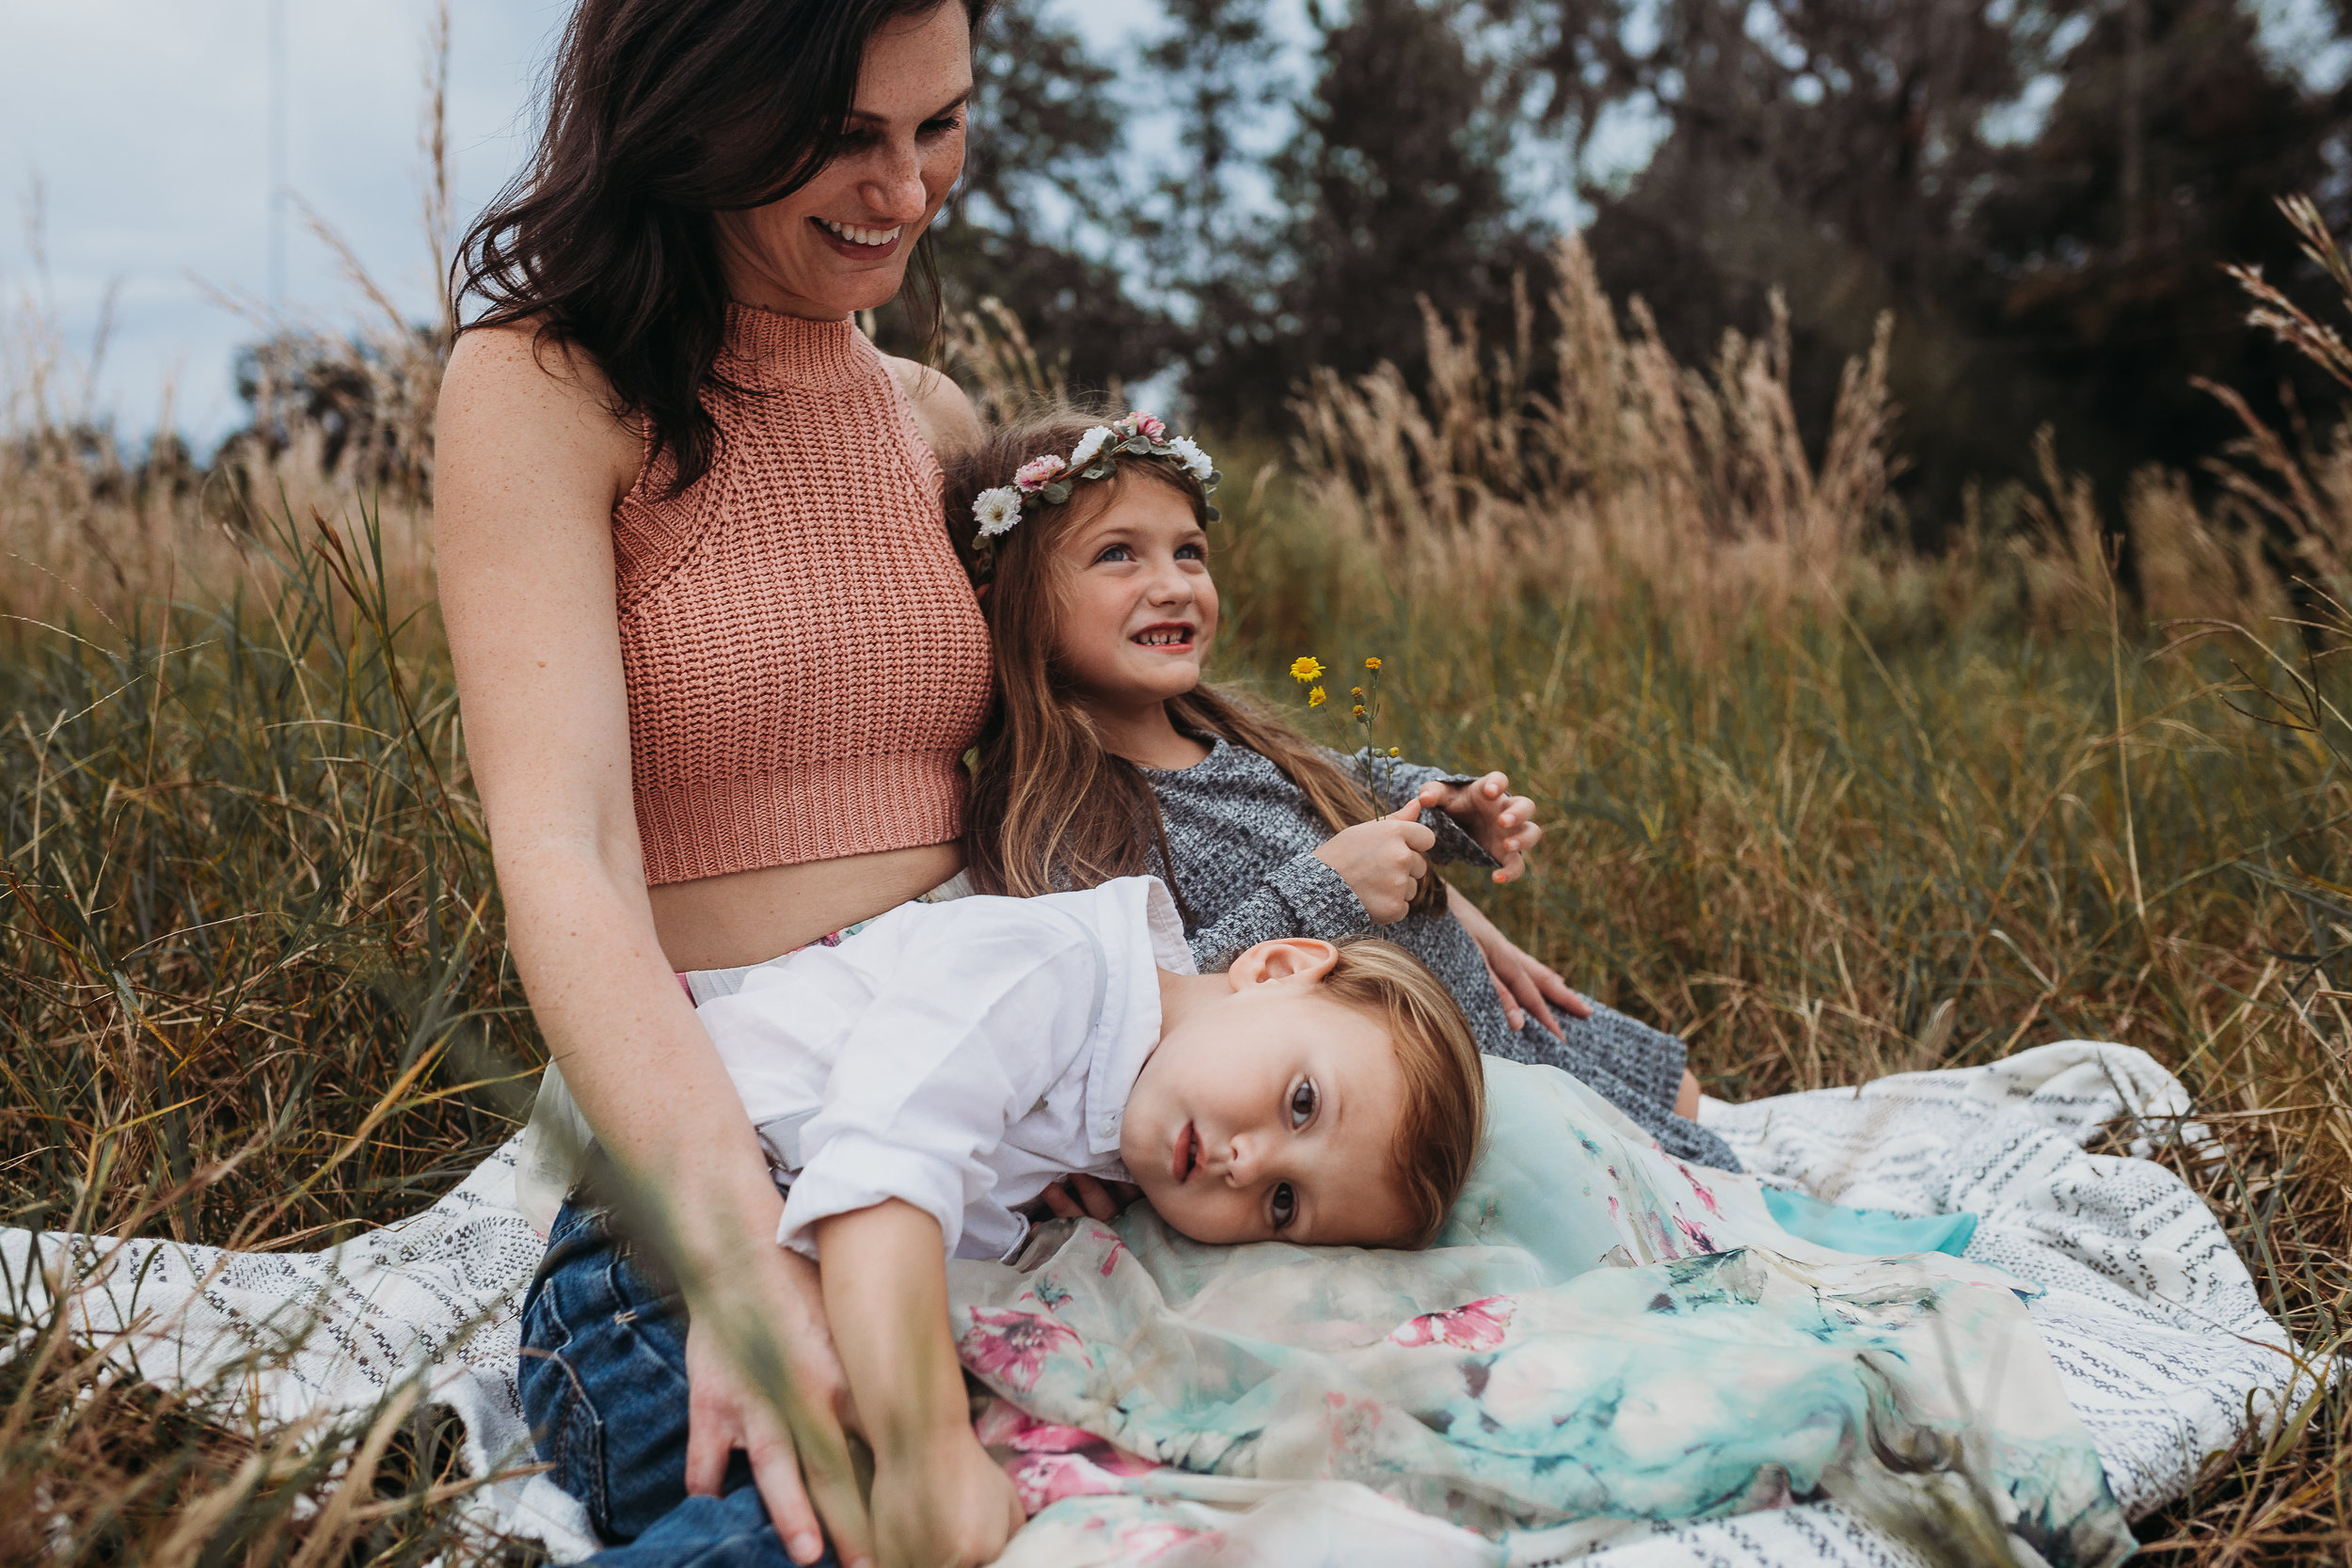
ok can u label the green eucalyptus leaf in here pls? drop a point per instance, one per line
(1215, 516)
(1056, 492)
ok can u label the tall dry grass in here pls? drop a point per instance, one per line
(1830, 806)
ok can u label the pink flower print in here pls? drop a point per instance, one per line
(1705, 1197)
(1012, 1346)
(1038, 472)
(1700, 1241)
(1146, 426)
(1110, 1259)
(1145, 1542)
(1478, 1325)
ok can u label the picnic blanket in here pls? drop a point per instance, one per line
(2162, 1350)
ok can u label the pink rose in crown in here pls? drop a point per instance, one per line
(1478, 1325)
(1011, 1345)
(1038, 472)
(1148, 427)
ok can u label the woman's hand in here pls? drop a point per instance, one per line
(950, 1506)
(1503, 823)
(1523, 986)
(727, 1411)
(1383, 861)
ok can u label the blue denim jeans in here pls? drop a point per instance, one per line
(603, 1384)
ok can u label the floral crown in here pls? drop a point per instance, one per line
(1047, 480)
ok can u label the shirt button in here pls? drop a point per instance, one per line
(1110, 1125)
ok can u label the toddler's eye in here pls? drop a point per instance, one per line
(1302, 1105)
(1285, 1205)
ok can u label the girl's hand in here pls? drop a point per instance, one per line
(1524, 986)
(727, 1411)
(1382, 861)
(952, 1507)
(1503, 823)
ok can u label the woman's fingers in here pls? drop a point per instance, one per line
(776, 1471)
(1513, 1014)
(1531, 998)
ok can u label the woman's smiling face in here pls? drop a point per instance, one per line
(1135, 608)
(839, 243)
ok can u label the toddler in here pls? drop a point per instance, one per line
(919, 1084)
(1107, 756)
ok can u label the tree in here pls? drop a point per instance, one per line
(1042, 204)
(1869, 156)
(2102, 242)
(1393, 190)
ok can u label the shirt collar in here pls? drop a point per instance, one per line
(1142, 934)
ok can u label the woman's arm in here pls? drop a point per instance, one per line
(939, 1502)
(530, 464)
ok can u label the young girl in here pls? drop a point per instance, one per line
(1106, 756)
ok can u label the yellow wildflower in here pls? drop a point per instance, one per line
(1393, 751)
(1314, 698)
(1356, 692)
(1372, 664)
(1359, 710)
(1306, 667)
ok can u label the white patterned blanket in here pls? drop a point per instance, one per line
(2150, 1318)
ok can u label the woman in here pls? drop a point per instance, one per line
(718, 664)
(717, 660)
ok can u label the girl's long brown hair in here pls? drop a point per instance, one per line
(1050, 808)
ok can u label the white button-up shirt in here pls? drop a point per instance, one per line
(959, 1056)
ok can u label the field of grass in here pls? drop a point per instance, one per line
(1829, 807)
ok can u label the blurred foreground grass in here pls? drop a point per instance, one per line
(1834, 810)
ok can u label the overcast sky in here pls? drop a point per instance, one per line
(145, 125)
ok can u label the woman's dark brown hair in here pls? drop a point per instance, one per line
(1050, 807)
(661, 115)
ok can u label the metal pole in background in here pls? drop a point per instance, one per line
(277, 162)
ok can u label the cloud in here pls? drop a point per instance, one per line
(146, 126)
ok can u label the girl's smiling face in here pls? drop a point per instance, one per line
(1136, 606)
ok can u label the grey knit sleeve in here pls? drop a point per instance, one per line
(1300, 898)
(1400, 782)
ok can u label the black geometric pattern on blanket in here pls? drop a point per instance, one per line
(2150, 1317)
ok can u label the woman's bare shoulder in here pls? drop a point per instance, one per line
(535, 401)
(527, 425)
(943, 410)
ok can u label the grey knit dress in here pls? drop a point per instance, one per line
(1242, 838)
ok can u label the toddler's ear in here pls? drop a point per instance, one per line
(1301, 959)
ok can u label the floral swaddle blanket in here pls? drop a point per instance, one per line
(1601, 1337)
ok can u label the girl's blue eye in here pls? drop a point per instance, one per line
(1302, 1106)
(1116, 552)
(1191, 552)
(1285, 1205)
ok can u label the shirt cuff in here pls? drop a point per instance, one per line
(852, 1171)
(1326, 906)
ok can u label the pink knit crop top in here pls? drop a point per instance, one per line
(804, 661)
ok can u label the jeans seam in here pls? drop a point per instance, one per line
(577, 1419)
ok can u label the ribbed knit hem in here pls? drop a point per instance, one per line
(773, 350)
(857, 806)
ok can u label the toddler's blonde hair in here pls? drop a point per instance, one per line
(1444, 1116)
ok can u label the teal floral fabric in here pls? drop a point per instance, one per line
(1601, 1338)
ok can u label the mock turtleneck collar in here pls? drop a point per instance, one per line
(795, 351)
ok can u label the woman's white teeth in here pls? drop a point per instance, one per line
(855, 235)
